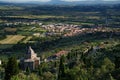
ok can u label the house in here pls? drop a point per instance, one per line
(30, 60)
(57, 55)
(61, 53)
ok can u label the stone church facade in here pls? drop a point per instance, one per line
(30, 60)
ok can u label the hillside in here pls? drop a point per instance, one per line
(56, 42)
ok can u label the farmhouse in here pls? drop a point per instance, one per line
(30, 60)
(57, 55)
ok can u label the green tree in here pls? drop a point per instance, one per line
(110, 77)
(61, 68)
(48, 76)
(33, 77)
(40, 70)
(28, 71)
(117, 62)
(22, 76)
(11, 68)
(69, 56)
(107, 65)
(77, 74)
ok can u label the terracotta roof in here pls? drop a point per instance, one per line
(60, 53)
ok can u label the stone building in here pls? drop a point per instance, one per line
(30, 60)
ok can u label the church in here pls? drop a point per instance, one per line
(30, 60)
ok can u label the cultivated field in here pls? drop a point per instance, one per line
(10, 41)
(27, 39)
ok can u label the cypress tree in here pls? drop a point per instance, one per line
(61, 73)
(11, 68)
(40, 71)
(28, 71)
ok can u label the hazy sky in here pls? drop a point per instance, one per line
(54, 0)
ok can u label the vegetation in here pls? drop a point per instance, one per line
(92, 55)
(11, 68)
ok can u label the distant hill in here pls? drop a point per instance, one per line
(3, 3)
(6, 3)
(59, 2)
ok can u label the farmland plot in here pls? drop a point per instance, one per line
(10, 41)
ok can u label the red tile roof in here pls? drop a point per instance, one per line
(60, 53)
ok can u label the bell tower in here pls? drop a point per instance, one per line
(30, 53)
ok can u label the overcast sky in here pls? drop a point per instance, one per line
(54, 0)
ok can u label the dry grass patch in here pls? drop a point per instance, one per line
(12, 39)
